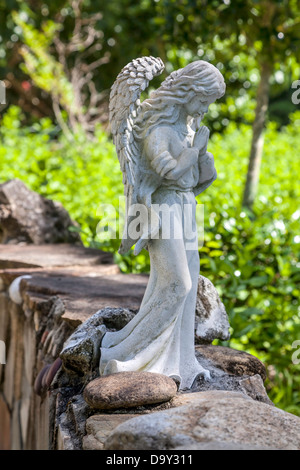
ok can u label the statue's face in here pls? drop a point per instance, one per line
(198, 105)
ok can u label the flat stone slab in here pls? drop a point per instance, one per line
(8, 275)
(128, 390)
(99, 427)
(229, 418)
(46, 256)
(85, 279)
(83, 296)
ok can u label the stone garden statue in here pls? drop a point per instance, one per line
(162, 149)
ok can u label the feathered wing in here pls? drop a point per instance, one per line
(123, 109)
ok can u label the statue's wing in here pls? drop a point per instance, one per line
(123, 109)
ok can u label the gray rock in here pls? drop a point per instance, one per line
(232, 370)
(229, 418)
(211, 320)
(128, 390)
(115, 318)
(231, 361)
(65, 440)
(27, 217)
(254, 388)
(99, 427)
(81, 351)
(217, 445)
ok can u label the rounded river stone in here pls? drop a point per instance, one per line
(129, 389)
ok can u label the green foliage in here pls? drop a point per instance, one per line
(269, 29)
(46, 72)
(228, 34)
(252, 260)
(80, 174)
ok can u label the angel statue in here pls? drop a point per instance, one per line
(162, 149)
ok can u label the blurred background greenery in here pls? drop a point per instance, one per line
(59, 59)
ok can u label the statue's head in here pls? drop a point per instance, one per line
(197, 78)
(198, 81)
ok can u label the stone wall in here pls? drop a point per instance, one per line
(46, 291)
(56, 302)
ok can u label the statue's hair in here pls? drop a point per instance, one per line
(181, 86)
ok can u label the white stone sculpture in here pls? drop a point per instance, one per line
(163, 155)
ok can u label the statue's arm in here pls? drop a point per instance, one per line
(157, 148)
(186, 160)
(207, 171)
(207, 167)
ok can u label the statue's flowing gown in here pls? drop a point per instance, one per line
(160, 338)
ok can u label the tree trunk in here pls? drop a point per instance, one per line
(262, 102)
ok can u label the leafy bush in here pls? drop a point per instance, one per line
(82, 175)
(253, 260)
